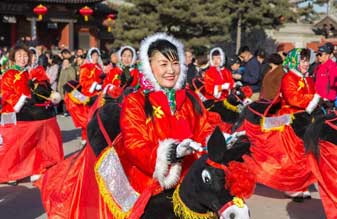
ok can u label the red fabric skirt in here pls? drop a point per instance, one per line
(79, 114)
(325, 170)
(69, 189)
(28, 148)
(278, 158)
(215, 120)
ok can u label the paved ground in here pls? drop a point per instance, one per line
(23, 201)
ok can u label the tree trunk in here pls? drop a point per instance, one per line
(238, 35)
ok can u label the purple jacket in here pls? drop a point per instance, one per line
(326, 80)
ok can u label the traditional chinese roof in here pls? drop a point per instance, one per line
(58, 1)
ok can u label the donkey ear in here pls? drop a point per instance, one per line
(216, 146)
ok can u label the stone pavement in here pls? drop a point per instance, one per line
(23, 201)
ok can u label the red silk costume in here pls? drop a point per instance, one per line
(14, 84)
(142, 137)
(114, 77)
(214, 79)
(324, 167)
(90, 78)
(297, 92)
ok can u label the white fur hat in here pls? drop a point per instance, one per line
(222, 56)
(146, 67)
(134, 54)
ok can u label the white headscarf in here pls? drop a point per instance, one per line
(146, 67)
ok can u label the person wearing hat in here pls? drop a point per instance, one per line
(161, 125)
(234, 65)
(90, 73)
(326, 74)
(125, 73)
(218, 79)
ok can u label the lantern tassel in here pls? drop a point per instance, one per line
(109, 29)
(86, 18)
(39, 17)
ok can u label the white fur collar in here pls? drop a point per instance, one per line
(297, 73)
(222, 56)
(134, 54)
(146, 67)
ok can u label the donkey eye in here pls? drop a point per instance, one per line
(206, 176)
(232, 216)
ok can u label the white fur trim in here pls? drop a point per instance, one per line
(297, 73)
(222, 56)
(20, 103)
(108, 87)
(313, 104)
(217, 93)
(100, 62)
(146, 67)
(168, 176)
(134, 54)
(93, 87)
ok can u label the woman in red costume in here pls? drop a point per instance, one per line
(159, 128)
(125, 73)
(90, 73)
(29, 156)
(218, 79)
(278, 155)
(91, 85)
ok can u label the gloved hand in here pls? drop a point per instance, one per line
(186, 147)
(313, 104)
(225, 86)
(238, 84)
(98, 87)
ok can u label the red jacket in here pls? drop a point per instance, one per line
(114, 77)
(141, 136)
(297, 92)
(89, 78)
(213, 81)
(14, 85)
(326, 80)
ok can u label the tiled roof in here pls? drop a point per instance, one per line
(59, 1)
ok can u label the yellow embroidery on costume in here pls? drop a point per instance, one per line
(230, 107)
(92, 72)
(300, 84)
(17, 77)
(158, 112)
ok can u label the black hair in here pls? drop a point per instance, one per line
(261, 53)
(275, 58)
(243, 49)
(165, 47)
(305, 54)
(127, 49)
(94, 51)
(215, 53)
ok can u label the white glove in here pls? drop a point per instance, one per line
(224, 86)
(187, 147)
(238, 84)
(107, 88)
(313, 104)
(98, 87)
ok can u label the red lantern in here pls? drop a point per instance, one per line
(86, 12)
(109, 21)
(40, 10)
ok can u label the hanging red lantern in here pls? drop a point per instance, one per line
(40, 10)
(109, 21)
(86, 12)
